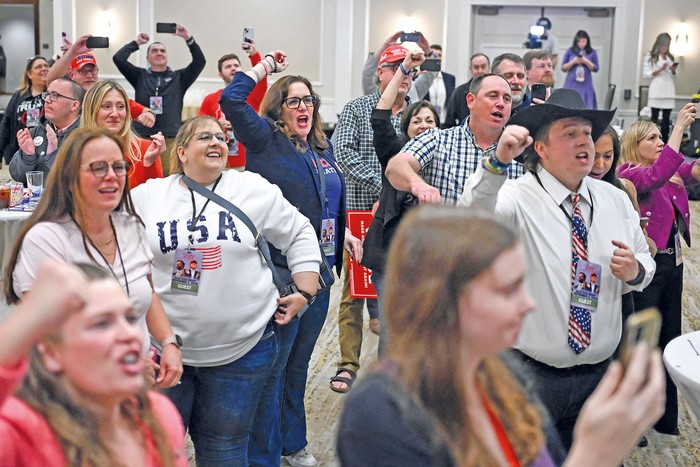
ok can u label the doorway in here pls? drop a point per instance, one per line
(507, 30)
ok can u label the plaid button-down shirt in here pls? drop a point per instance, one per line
(448, 157)
(354, 151)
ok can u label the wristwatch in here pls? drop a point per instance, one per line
(174, 339)
(310, 299)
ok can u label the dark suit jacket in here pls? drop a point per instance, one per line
(450, 82)
(457, 109)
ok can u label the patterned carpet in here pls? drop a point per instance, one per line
(324, 405)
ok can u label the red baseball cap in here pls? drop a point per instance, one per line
(393, 53)
(81, 60)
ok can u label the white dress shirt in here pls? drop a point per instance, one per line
(546, 238)
(438, 95)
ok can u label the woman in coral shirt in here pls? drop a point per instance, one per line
(106, 106)
(73, 350)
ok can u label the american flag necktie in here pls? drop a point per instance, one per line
(579, 318)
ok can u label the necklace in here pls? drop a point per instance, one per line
(119, 251)
(102, 243)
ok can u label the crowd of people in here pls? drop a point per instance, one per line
(150, 303)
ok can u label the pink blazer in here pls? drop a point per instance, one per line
(658, 196)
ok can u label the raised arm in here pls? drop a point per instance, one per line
(251, 129)
(121, 58)
(61, 66)
(191, 71)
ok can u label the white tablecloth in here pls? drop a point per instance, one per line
(682, 359)
(10, 223)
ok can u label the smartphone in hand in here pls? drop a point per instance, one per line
(643, 326)
(96, 42)
(538, 91)
(168, 28)
(248, 34)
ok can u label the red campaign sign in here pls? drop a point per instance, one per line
(361, 285)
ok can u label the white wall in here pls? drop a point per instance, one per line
(328, 40)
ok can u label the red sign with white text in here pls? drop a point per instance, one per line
(361, 285)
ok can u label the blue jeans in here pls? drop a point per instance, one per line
(294, 379)
(217, 404)
(280, 424)
(378, 281)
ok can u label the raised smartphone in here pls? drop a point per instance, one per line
(431, 64)
(410, 37)
(169, 28)
(96, 42)
(538, 91)
(248, 34)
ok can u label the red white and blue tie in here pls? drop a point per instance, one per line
(579, 318)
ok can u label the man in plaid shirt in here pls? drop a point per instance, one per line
(354, 151)
(435, 165)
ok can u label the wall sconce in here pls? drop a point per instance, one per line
(105, 23)
(680, 39)
(409, 24)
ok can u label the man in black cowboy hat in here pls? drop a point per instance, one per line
(567, 220)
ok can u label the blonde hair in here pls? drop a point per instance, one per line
(424, 328)
(629, 145)
(62, 197)
(26, 84)
(186, 131)
(76, 428)
(91, 106)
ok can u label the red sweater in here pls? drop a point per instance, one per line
(210, 106)
(138, 173)
(26, 439)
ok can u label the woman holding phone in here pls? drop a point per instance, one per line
(444, 396)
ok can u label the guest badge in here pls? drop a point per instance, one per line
(187, 271)
(328, 236)
(586, 285)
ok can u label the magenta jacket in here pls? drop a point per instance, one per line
(657, 195)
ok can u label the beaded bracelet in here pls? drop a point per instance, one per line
(495, 168)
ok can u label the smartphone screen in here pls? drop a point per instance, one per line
(166, 27)
(96, 42)
(538, 91)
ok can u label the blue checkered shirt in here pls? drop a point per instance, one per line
(448, 157)
(354, 151)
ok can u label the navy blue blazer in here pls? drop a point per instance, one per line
(275, 157)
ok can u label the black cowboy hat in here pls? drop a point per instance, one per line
(563, 103)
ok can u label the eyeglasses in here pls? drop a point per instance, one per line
(206, 136)
(88, 71)
(395, 67)
(294, 102)
(53, 96)
(100, 168)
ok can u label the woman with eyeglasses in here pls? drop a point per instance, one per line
(286, 144)
(26, 106)
(225, 305)
(106, 105)
(86, 215)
